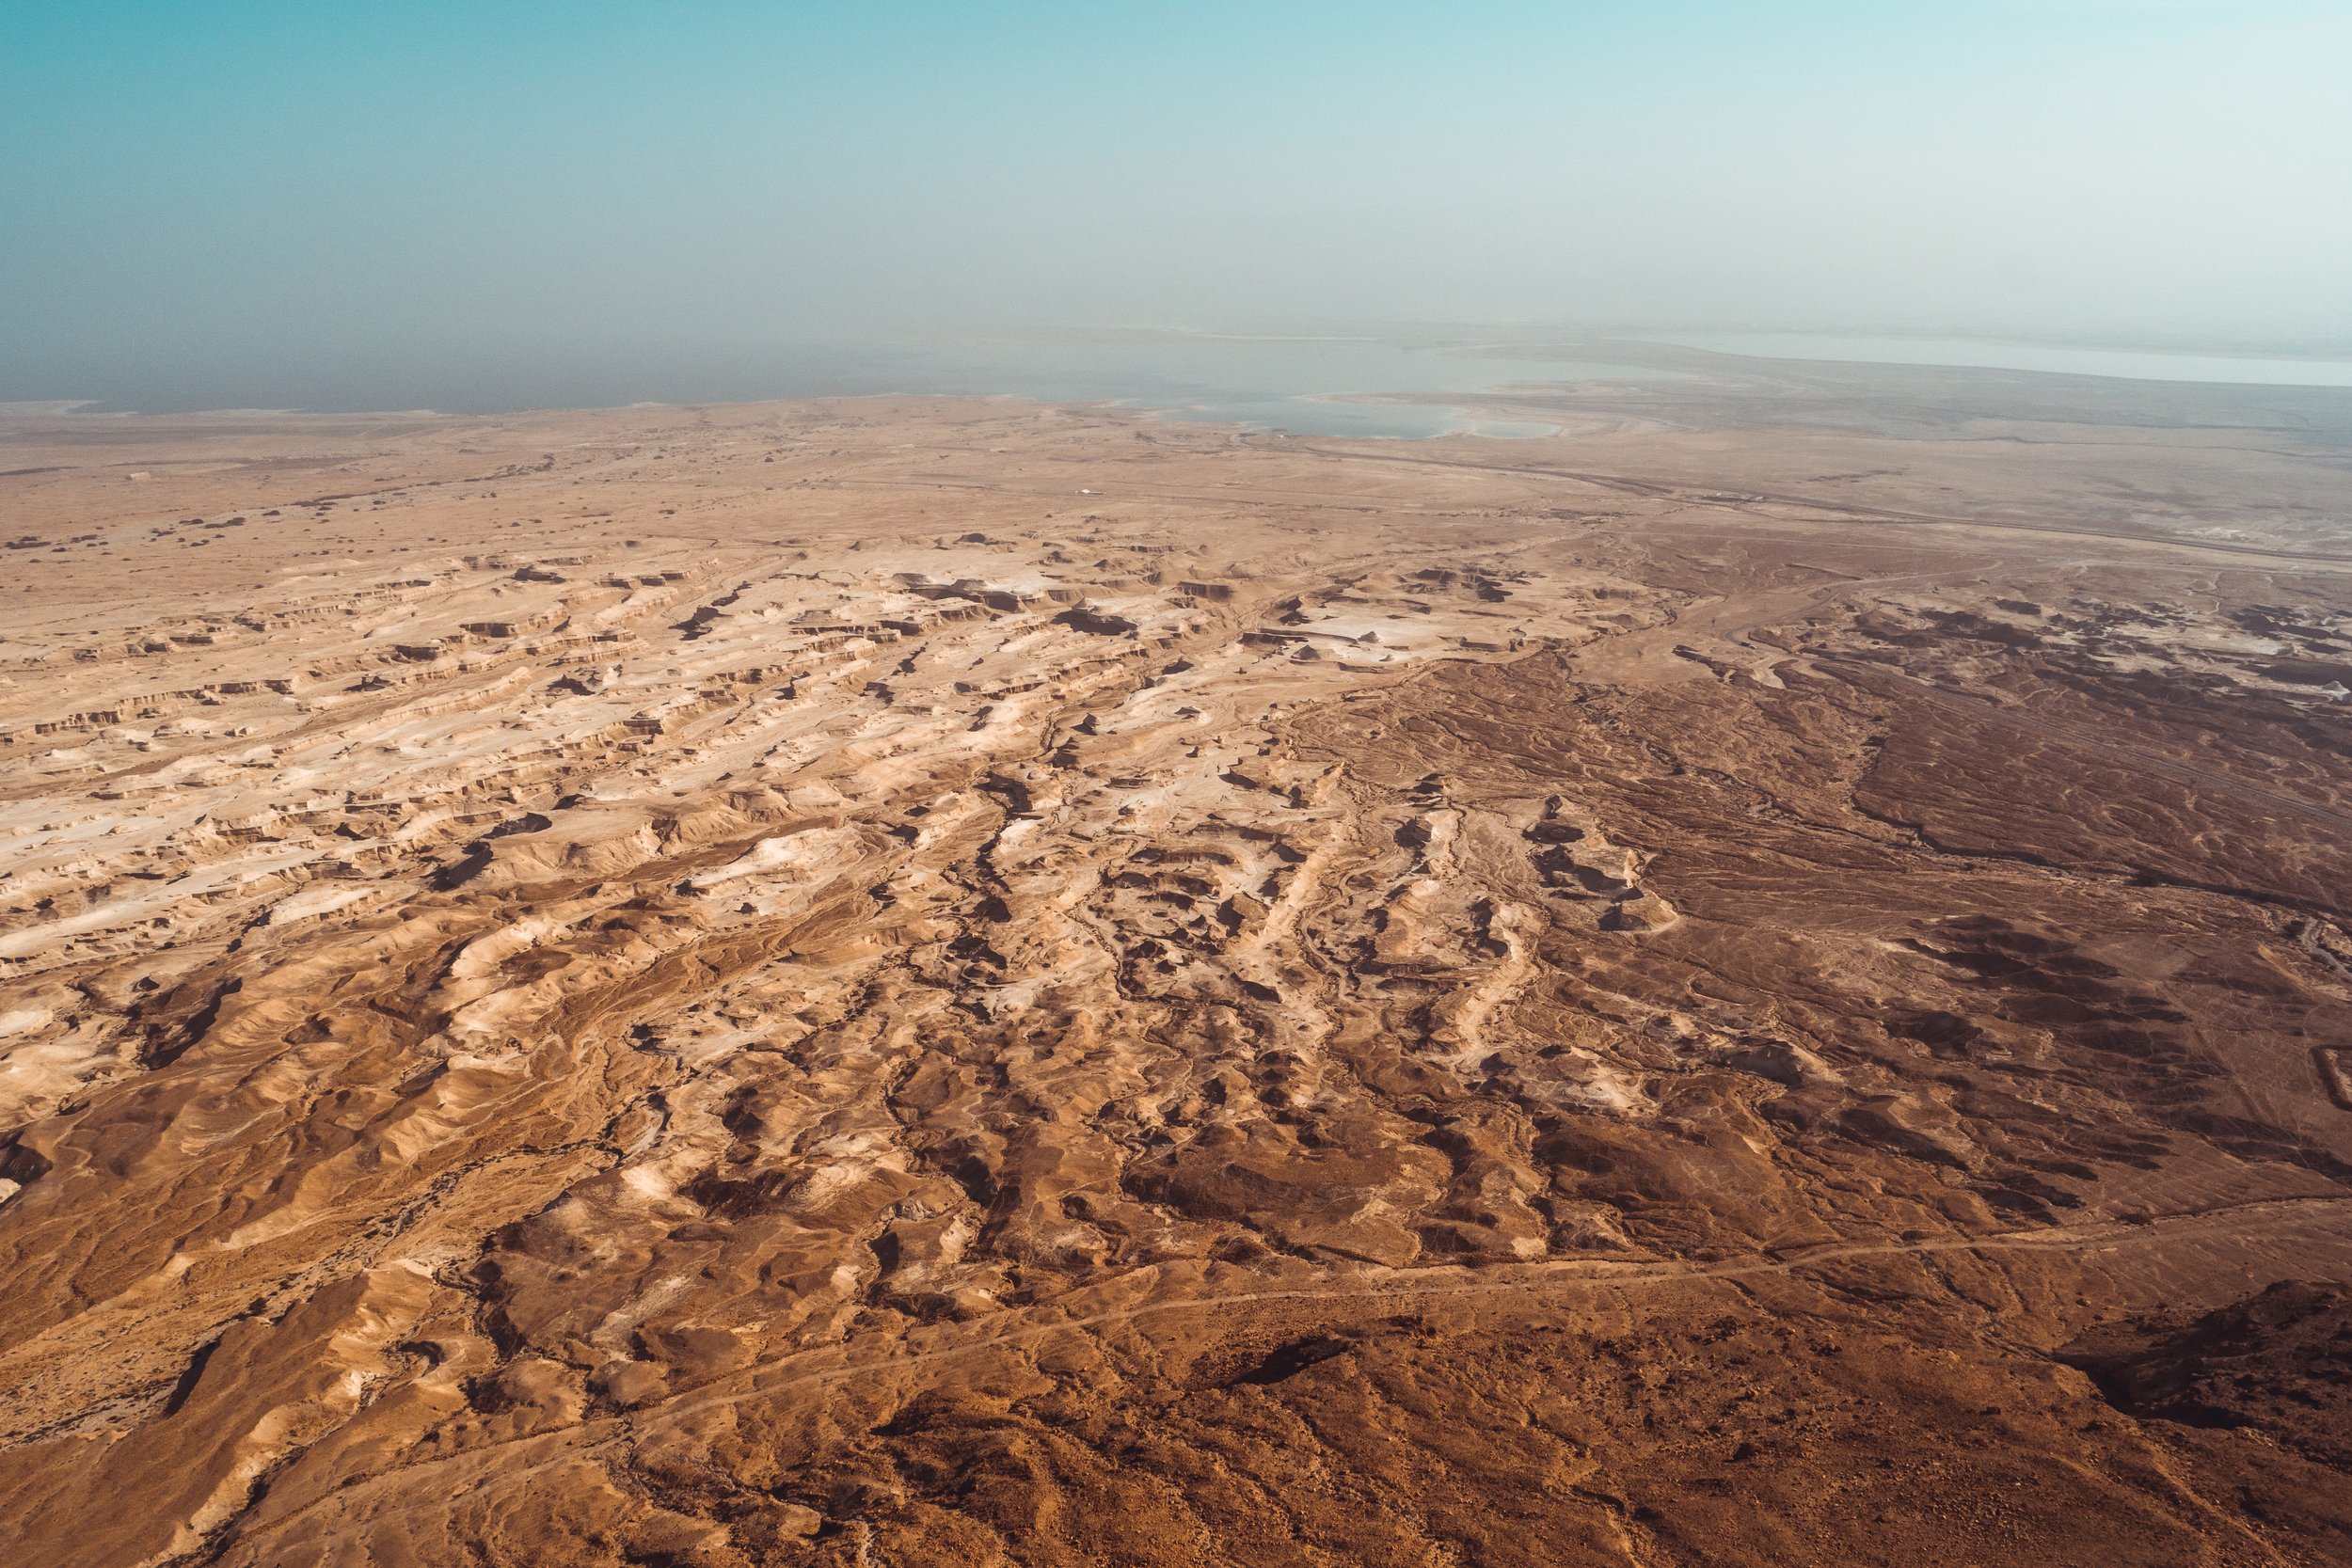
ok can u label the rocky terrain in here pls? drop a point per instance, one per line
(914, 982)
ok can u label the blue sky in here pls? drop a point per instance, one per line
(273, 184)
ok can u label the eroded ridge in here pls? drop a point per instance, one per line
(922, 982)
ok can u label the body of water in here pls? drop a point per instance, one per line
(1306, 386)
(1997, 355)
(1295, 386)
(1365, 386)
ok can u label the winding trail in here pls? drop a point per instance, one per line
(1362, 1288)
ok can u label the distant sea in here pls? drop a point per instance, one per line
(1369, 385)
(1295, 384)
(1999, 355)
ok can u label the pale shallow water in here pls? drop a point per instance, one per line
(1295, 385)
(1334, 416)
(1359, 386)
(1997, 355)
(1298, 385)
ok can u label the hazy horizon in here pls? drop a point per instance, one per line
(266, 203)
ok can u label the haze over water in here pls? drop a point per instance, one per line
(497, 205)
(1296, 384)
(1361, 385)
(2129, 364)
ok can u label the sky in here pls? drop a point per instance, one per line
(276, 194)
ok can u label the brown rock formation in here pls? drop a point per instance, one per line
(744, 985)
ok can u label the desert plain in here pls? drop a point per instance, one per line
(1763, 979)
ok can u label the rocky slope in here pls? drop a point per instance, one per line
(956, 983)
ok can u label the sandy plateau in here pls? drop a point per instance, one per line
(1763, 980)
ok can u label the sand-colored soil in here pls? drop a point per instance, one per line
(916, 982)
